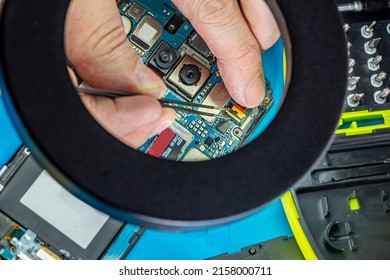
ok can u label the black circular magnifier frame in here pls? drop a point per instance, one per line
(136, 188)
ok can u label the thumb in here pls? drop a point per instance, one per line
(96, 44)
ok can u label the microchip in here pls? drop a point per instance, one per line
(218, 97)
(146, 34)
(209, 141)
(197, 43)
(135, 11)
(223, 127)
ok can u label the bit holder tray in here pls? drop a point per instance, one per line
(369, 61)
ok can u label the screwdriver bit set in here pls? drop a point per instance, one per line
(341, 209)
(368, 64)
(367, 101)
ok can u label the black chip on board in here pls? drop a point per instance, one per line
(136, 11)
(223, 127)
(209, 141)
(197, 43)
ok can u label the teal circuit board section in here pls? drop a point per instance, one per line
(17, 243)
(167, 43)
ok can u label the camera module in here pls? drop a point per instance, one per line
(164, 58)
(190, 74)
(188, 77)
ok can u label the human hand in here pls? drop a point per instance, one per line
(96, 45)
(236, 32)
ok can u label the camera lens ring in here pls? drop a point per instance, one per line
(190, 74)
(165, 58)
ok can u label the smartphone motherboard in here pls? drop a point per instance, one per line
(167, 43)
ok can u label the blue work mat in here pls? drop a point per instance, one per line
(9, 138)
(267, 224)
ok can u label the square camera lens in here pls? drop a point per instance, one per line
(189, 77)
(164, 58)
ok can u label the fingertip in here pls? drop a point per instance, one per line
(138, 137)
(269, 41)
(150, 108)
(166, 120)
(131, 113)
(255, 92)
(169, 114)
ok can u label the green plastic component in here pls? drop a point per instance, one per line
(354, 204)
(363, 122)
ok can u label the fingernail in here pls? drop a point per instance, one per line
(255, 92)
(162, 126)
(149, 80)
(72, 76)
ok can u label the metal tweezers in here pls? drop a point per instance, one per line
(186, 107)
